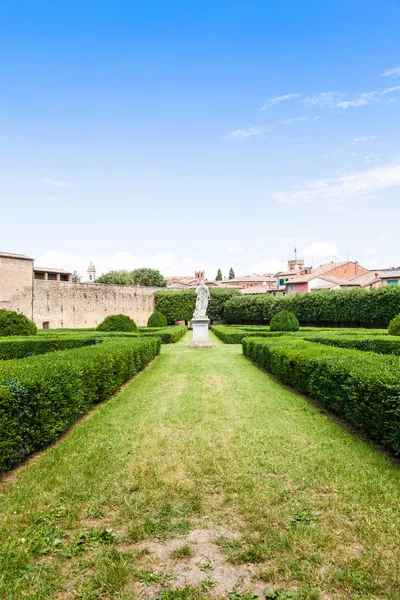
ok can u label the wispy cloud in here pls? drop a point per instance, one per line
(254, 131)
(337, 99)
(59, 201)
(336, 191)
(363, 139)
(56, 182)
(392, 71)
(278, 99)
(234, 250)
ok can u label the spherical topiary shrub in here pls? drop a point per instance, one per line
(117, 323)
(394, 326)
(13, 323)
(157, 319)
(284, 321)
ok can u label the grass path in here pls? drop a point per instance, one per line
(202, 471)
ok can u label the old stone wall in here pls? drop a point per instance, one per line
(16, 284)
(69, 305)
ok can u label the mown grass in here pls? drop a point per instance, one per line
(203, 435)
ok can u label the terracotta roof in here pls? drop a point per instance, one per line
(255, 277)
(12, 255)
(318, 271)
(387, 274)
(259, 289)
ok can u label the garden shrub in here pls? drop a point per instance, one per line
(13, 323)
(169, 335)
(21, 348)
(117, 323)
(394, 326)
(157, 319)
(234, 335)
(41, 396)
(284, 321)
(179, 305)
(363, 388)
(377, 344)
(247, 308)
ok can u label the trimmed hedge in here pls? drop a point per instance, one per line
(284, 321)
(157, 319)
(168, 335)
(117, 323)
(41, 396)
(247, 308)
(13, 323)
(377, 344)
(21, 348)
(363, 388)
(394, 326)
(234, 335)
(179, 305)
(376, 306)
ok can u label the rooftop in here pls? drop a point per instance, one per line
(50, 270)
(12, 255)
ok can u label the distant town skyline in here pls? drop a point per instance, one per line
(127, 130)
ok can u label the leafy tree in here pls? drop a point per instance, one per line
(76, 278)
(219, 275)
(231, 273)
(144, 277)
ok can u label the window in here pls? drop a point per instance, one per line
(292, 288)
(393, 282)
(281, 282)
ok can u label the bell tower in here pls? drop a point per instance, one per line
(91, 273)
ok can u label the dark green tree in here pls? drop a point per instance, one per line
(76, 278)
(231, 273)
(219, 275)
(144, 277)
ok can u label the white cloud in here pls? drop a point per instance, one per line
(363, 139)
(291, 121)
(336, 99)
(320, 253)
(245, 133)
(273, 101)
(272, 265)
(59, 201)
(338, 190)
(393, 71)
(370, 251)
(381, 238)
(234, 250)
(56, 182)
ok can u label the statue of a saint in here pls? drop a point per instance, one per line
(202, 298)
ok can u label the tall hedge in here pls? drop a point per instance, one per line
(247, 308)
(361, 387)
(41, 396)
(179, 305)
(359, 307)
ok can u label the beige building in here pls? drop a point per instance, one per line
(50, 298)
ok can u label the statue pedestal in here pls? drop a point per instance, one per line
(200, 333)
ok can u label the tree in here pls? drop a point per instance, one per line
(76, 278)
(219, 275)
(144, 277)
(231, 273)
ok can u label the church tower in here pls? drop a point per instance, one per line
(91, 273)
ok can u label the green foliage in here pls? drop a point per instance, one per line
(117, 323)
(157, 319)
(284, 321)
(143, 277)
(247, 307)
(76, 278)
(363, 388)
(231, 274)
(376, 306)
(394, 326)
(41, 396)
(21, 348)
(13, 323)
(219, 275)
(179, 306)
(378, 344)
(234, 335)
(168, 335)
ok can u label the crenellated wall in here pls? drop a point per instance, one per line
(63, 304)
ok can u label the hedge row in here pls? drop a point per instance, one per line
(168, 335)
(369, 307)
(22, 347)
(41, 396)
(179, 305)
(363, 388)
(380, 345)
(235, 335)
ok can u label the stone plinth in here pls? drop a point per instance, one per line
(200, 333)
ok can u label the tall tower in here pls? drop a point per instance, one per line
(91, 273)
(295, 264)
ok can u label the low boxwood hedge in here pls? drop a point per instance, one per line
(41, 396)
(234, 335)
(379, 344)
(22, 347)
(168, 335)
(361, 387)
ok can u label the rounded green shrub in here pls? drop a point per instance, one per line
(284, 321)
(117, 323)
(394, 326)
(13, 323)
(157, 319)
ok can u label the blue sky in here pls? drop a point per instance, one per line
(182, 135)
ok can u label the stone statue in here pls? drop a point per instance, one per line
(202, 298)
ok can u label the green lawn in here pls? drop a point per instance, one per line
(202, 472)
